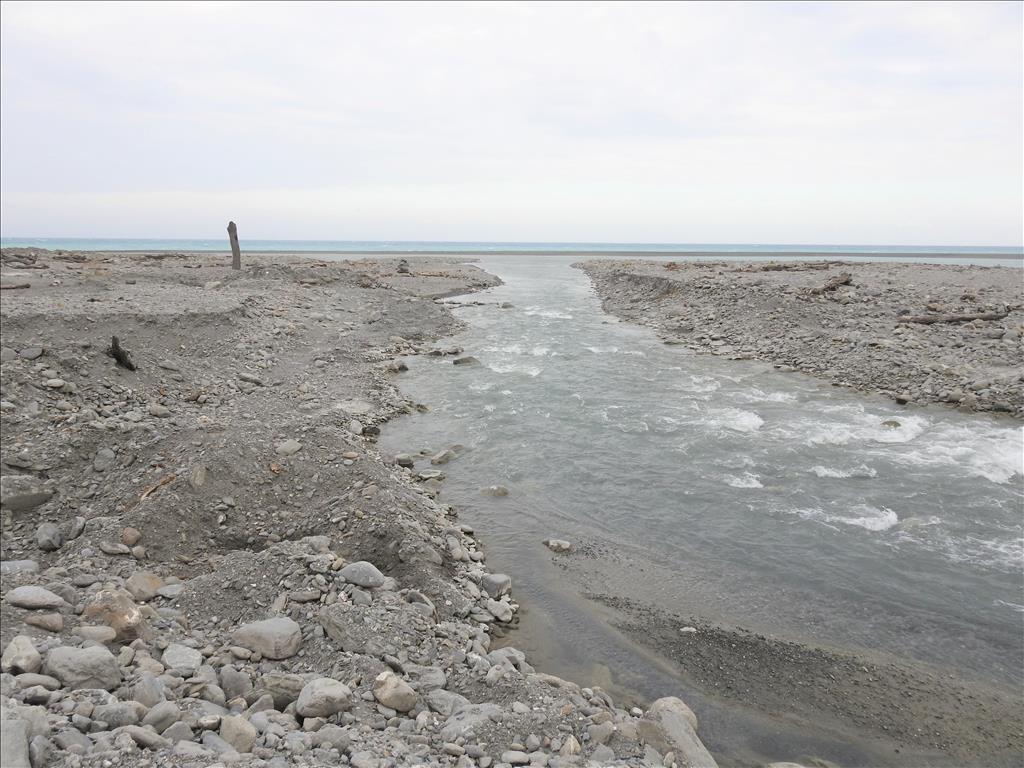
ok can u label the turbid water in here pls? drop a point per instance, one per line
(722, 490)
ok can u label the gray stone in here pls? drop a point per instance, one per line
(277, 638)
(602, 755)
(363, 574)
(238, 732)
(500, 610)
(49, 538)
(104, 459)
(333, 736)
(323, 697)
(234, 683)
(143, 585)
(34, 598)
(162, 716)
(18, 567)
(515, 757)
(149, 690)
(145, 738)
(670, 725)
(120, 714)
(21, 656)
(445, 702)
(288, 447)
(159, 411)
(19, 493)
(557, 545)
(14, 744)
(442, 457)
(393, 692)
(178, 656)
(31, 353)
(496, 584)
(93, 667)
(72, 740)
(467, 360)
(178, 731)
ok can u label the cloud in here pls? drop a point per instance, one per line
(636, 122)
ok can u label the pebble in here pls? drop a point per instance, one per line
(288, 447)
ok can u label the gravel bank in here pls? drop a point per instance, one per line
(901, 330)
(206, 560)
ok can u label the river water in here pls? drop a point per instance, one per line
(760, 499)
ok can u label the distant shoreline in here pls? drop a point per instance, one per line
(821, 255)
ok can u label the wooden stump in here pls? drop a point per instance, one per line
(236, 251)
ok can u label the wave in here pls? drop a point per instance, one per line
(861, 516)
(736, 419)
(860, 471)
(748, 480)
(552, 314)
(529, 370)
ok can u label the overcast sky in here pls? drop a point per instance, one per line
(696, 123)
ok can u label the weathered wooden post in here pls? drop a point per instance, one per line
(236, 252)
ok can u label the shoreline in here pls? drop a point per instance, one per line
(889, 329)
(151, 516)
(825, 255)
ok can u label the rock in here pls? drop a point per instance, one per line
(496, 490)
(445, 702)
(21, 656)
(181, 657)
(143, 585)
(103, 460)
(19, 493)
(162, 716)
(557, 545)
(288, 448)
(284, 688)
(238, 732)
(31, 353)
(443, 457)
(515, 757)
(405, 460)
(55, 383)
(333, 736)
(159, 411)
(18, 567)
(51, 622)
(116, 609)
(603, 755)
(362, 574)
(49, 538)
(500, 610)
(393, 692)
(119, 714)
(323, 697)
(149, 690)
(14, 744)
(496, 584)
(100, 634)
(145, 738)
(571, 747)
(670, 725)
(277, 638)
(234, 683)
(93, 667)
(130, 536)
(34, 598)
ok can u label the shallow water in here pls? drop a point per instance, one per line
(767, 500)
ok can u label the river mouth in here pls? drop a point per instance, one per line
(806, 525)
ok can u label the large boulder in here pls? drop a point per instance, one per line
(670, 725)
(14, 744)
(35, 598)
(276, 638)
(362, 574)
(21, 656)
(393, 692)
(93, 667)
(117, 609)
(323, 697)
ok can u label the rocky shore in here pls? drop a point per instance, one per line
(206, 560)
(918, 333)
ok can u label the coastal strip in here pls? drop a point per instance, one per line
(918, 333)
(205, 557)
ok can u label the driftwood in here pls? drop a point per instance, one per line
(120, 354)
(929, 319)
(236, 251)
(832, 283)
(14, 286)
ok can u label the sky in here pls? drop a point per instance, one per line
(856, 123)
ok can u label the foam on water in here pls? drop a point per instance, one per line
(735, 419)
(993, 455)
(529, 370)
(860, 515)
(552, 314)
(748, 480)
(860, 471)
